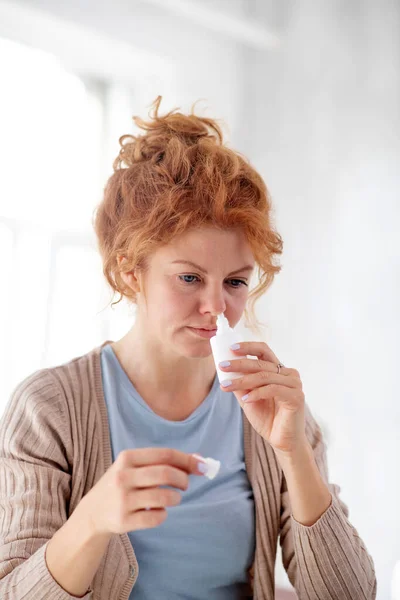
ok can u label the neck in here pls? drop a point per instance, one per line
(172, 384)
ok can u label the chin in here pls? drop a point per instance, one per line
(196, 348)
(199, 352)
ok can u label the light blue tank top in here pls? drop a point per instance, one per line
(206, 544)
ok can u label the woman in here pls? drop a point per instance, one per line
(92, 452)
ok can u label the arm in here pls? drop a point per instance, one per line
(74, 553)
(321, 551)
(42, 553)
(308, 502)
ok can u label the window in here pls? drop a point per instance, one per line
(56, 156)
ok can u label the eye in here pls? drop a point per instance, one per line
(182, 276)
(239, 281)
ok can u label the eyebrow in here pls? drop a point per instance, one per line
(192, 264)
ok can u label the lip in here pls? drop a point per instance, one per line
(205, 333)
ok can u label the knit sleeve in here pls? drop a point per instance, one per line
(34, 487)
(327, 560)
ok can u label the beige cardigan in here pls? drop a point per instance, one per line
(55, 445)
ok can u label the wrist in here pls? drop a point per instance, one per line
(309, 495)
(74, 553)
(84, 517)
(299, 454)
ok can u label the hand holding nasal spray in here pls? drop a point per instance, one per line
(220, 346)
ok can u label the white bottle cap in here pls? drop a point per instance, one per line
(213, 465)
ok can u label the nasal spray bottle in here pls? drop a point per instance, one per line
(220, 346)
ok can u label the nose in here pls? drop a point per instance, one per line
(213, 302)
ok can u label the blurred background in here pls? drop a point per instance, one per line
(310, 92)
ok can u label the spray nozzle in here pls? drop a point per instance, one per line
(222, 323)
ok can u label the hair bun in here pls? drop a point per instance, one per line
(160, 130)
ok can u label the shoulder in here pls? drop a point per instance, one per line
(82, 369)
(34, 388)
(52, 389)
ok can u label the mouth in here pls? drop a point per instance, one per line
(203, 332)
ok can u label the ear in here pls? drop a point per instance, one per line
(129, 278)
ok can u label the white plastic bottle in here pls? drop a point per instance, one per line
(220, 342)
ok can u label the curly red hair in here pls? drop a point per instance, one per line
(180, 175)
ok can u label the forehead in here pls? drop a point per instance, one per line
(207, 243)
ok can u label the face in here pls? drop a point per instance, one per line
(180, 296)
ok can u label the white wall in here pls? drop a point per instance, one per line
(327, 140)
(317, 111)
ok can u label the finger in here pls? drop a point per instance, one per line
(152, 498)
(260, 379)
(260, 349)
(140, 457)
(250, 365)
(147, 519)
(154, 475)
(291, 398)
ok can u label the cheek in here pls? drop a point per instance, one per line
(173, 303)
(238, 301)
(236, 307)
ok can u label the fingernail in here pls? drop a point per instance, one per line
(226, 383)
(225, 363)
(235, 346)
(200, 465)
(245, 397)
